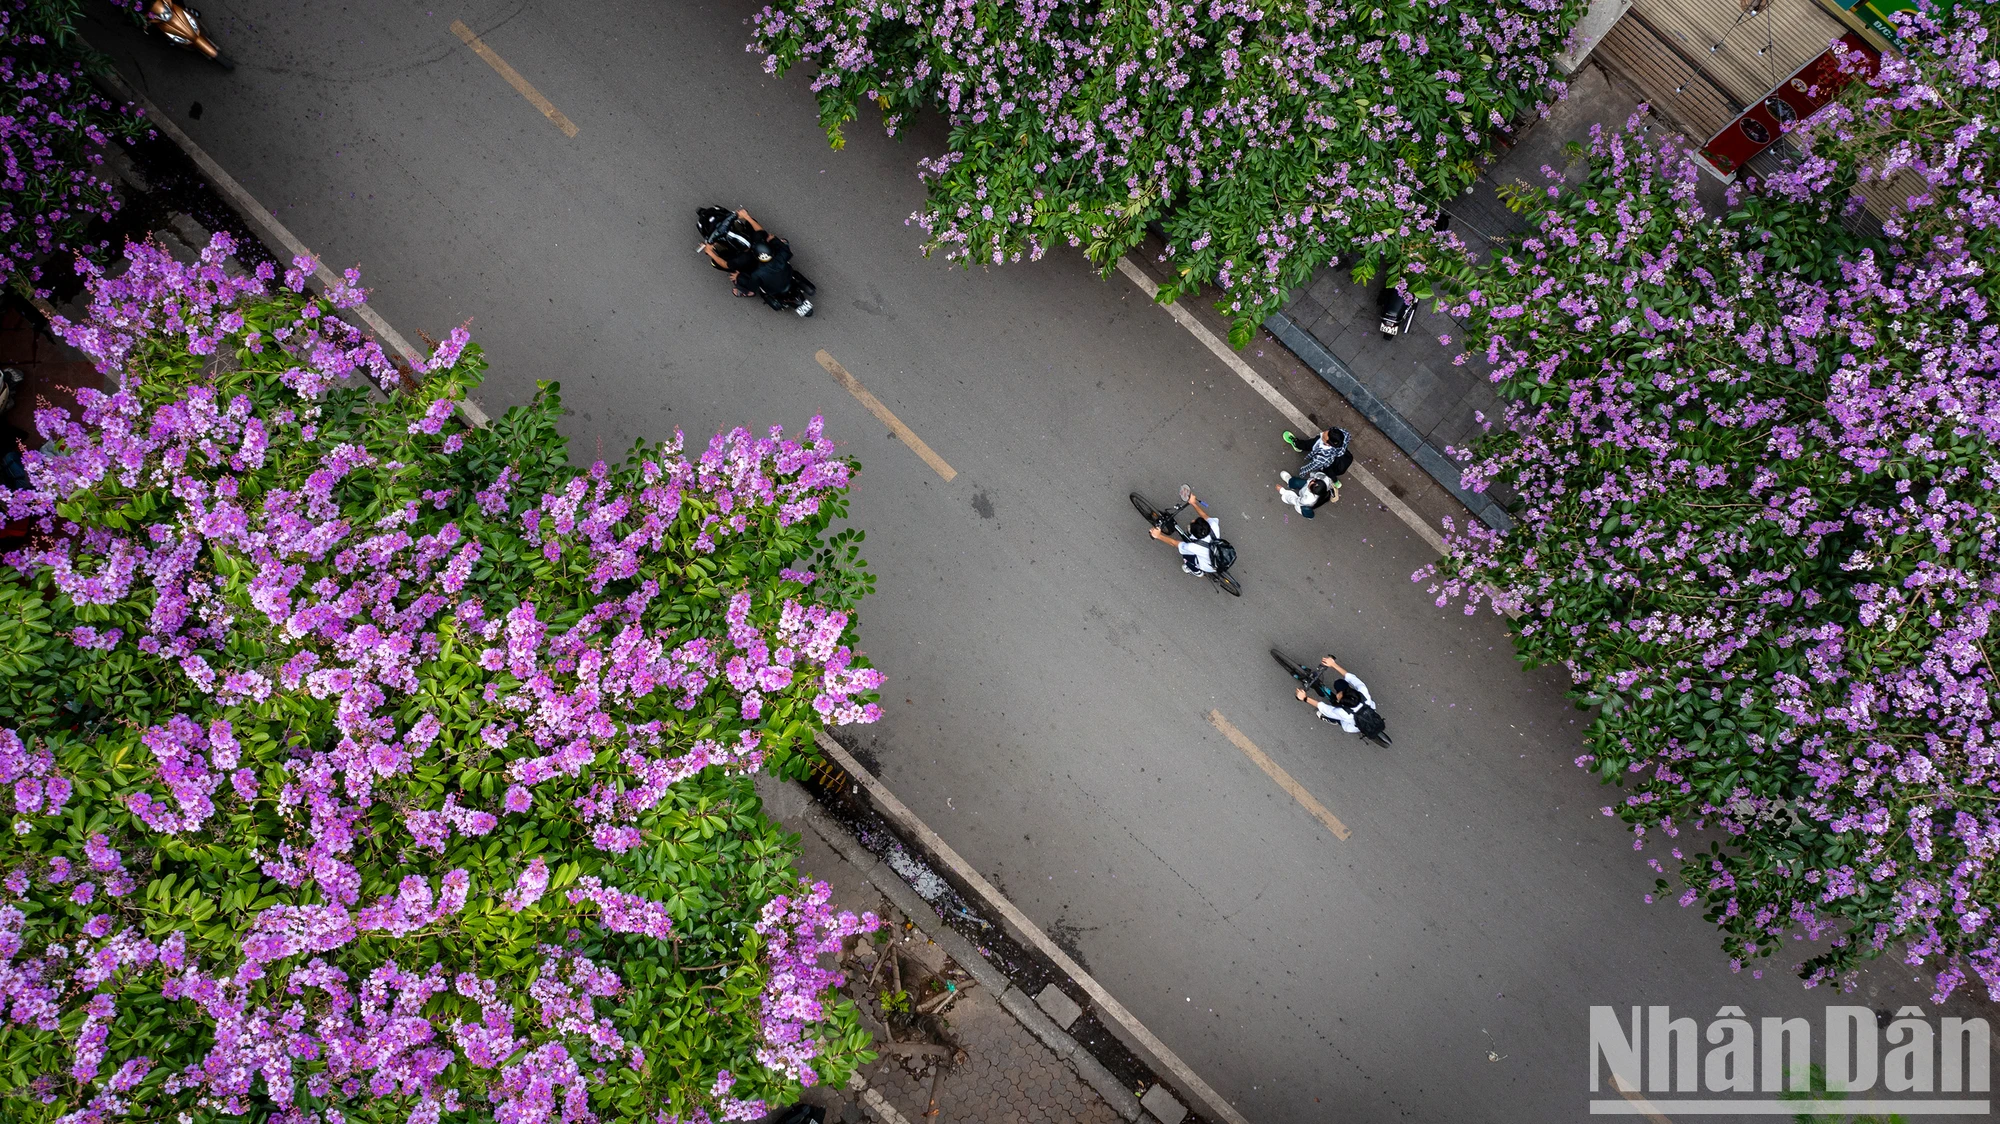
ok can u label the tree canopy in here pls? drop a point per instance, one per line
(1756, 461)
(1266, 136)
(367, 767)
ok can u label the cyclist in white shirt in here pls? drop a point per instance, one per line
(1197, 550)
(1350, 697)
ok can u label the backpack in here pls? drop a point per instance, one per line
(1340, 464)
(1369, 722)
(1222, 554)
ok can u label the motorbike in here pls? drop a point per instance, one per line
(1399, 308)
(760, 261)
(182, 25)
(1399, 312)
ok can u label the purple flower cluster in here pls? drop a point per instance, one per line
(55, 130)
(1267, 138)
(37, 789)
(622, 912)
(798, 931)
(1759, 523)
(422, 721)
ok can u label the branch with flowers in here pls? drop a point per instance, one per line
(363, 768)
(1266, 137)
(54, 132)
(1758, 459)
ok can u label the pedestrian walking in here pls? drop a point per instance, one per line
(1308, 492)
(1329, 453)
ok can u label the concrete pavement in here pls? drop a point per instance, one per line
(1050, 671)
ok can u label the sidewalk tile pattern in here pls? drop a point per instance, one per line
(1008, 1077)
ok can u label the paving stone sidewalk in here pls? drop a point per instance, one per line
(1008, 1076)
(1004, 1074)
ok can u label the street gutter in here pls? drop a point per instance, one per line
(916, 831)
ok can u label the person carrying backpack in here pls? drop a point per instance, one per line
(1352, 708)
(1202, 550)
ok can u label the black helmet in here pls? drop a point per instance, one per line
(763, 251)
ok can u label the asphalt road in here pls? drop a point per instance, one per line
(1051, 672)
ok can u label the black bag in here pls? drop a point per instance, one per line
(1369, 722)
(1340, 464)
(1223, 554)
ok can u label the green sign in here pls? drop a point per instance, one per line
(1876, 13)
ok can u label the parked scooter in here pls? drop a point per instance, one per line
(13, 474)
(182, 25)
(758, 261)
(1399, 313)
(1399, 308)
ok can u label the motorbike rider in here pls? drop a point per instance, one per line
(1350, 700)
(1198, 548)
(768, 273)
(738, 254)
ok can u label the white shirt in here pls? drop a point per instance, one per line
(1202, 551)
(1303, 499)
(1345, 718)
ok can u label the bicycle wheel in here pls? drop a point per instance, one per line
(1228, 584)
(1286, 662)
(1147, 511)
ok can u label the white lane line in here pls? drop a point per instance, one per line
(1640, 1106)
(1270, 394)
(267, 224)
(886, 416)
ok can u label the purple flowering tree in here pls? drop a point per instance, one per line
(54, 129)
(360, 766)
(1759, 524)
(1266, 137)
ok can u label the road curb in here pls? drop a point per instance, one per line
(1330, 368)
(1021, 927)
(267, 227)
(968, 956)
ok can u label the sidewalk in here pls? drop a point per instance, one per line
(977, 1064)
(1409, 387)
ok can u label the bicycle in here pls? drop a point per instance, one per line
(1309, 677)
(1168, 522)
